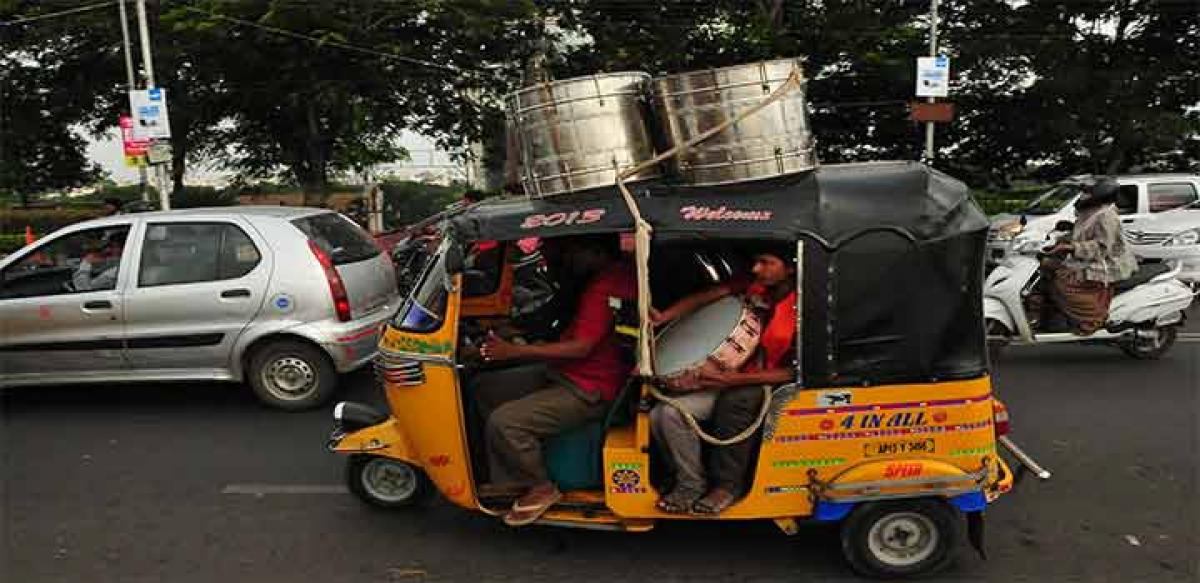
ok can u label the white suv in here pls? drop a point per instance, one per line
(1172, 235)
(1141, 197)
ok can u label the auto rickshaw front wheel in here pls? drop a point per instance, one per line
(901, 538)
(386, 482)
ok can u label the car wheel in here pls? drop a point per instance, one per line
(385, 482)
(1151, 348)
(292, 375)
(904, 538)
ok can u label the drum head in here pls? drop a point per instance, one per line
(689, 341)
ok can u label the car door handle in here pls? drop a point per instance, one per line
(97, 305)
(236, 293)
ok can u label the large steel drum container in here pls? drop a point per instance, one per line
(575, 134)
(771, 142)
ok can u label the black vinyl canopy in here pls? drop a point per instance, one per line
(829, 205)
(892, 280)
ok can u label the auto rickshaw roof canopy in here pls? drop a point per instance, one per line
(831, 204)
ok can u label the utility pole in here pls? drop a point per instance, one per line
(933, 41)
(132, 81)
(164, 196)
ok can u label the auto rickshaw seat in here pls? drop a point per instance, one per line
(574, 459)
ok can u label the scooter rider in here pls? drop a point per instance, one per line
(1093, 260)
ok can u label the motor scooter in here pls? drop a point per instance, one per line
(1143, 319)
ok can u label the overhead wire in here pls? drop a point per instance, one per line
(59, 14)
(321, 41)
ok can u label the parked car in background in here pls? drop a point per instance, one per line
(1140, 196)
(283, 298)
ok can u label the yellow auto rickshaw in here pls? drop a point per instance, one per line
(891, 426)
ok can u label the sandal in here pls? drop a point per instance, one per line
(676, 502)
(530, 507)
(715, 502)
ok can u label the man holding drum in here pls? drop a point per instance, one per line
(732, 398)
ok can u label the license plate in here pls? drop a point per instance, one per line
(897, 447)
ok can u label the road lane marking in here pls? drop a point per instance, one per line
(266, 489)
(1188, 337)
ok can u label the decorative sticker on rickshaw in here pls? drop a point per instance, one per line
(810, 463)
(973, 451)
(786, 489)
(877, 420)
(903, 470)
(417, 345)
(439, 461)
(897, 432)
(565, 219)
(723, 213)
(627, 479)
(834, 398)
(898, 447)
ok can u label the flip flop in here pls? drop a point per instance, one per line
(523, 514)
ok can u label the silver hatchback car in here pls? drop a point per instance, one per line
(282, 298)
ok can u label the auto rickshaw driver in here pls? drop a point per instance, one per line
(575, 380)
(731, 397)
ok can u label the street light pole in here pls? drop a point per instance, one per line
(131, 79)
(164, 197)
(933, 39)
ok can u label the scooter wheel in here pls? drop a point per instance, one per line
(901, 538)
(386, 482)
(1151, 348)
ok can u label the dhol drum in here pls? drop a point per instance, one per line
(722, 335)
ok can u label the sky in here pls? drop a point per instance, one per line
(108, 154)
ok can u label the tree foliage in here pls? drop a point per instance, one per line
(303, 90)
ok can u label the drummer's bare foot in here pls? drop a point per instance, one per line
(679, 501)
(715, 502)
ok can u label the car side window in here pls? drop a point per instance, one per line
(81, 262)
(1168, 195)
(181, 253)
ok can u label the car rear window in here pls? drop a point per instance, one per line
(344, 241)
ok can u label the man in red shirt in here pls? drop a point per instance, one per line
(732, 398)
(584, 371)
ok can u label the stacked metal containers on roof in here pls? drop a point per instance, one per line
(577, 134)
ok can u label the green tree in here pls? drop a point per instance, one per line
(314, 108)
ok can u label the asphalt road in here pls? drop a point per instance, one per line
(137, 484)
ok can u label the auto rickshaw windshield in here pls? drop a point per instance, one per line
(426, 308)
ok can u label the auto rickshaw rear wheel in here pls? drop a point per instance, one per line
(386, 482)
(901, 538)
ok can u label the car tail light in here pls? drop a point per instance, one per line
(341, 302)
(1000, 418)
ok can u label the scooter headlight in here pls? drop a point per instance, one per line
(1188, 237)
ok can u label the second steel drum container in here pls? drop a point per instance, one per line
(772, 142)
(576, 134)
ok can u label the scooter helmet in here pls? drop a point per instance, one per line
(1101, 192)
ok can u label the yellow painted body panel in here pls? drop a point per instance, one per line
(431, 414)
